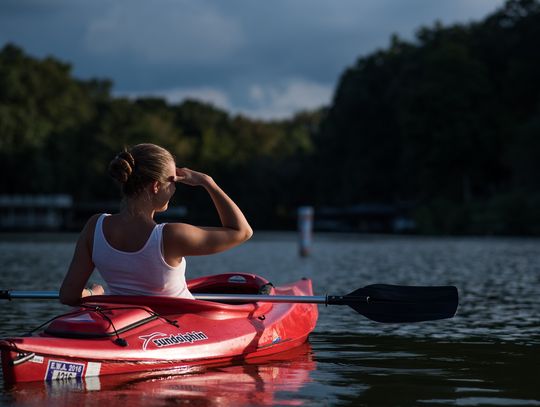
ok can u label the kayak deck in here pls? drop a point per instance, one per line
(124, 334)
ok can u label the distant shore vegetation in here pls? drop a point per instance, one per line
(444, 128)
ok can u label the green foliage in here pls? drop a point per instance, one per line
(41, 111)
(448, 123)
(58, 134)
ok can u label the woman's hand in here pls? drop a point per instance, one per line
(97, 289)
(190, 177)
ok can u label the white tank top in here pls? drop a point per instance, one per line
(143, 272)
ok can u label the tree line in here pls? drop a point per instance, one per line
(446, 125)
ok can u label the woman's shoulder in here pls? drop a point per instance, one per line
(176, 233)
(175, 228)
(92, 220)
(90, 226)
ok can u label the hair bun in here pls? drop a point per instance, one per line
(122, 166)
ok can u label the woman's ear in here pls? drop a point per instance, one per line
(155, 187)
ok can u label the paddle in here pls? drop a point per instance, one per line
(378, 302)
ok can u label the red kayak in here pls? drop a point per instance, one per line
(123, 334)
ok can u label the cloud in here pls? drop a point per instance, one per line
(215, 97)
(282, 100)
(270, 101)
(161, 32)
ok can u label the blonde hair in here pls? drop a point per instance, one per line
(138, 166)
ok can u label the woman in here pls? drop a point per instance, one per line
(133, 254)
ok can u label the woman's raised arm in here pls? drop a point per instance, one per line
(186, 240)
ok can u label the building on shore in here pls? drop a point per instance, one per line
(58, 212)
(32, 212)
(365, 218)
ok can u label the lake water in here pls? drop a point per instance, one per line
(489, 354)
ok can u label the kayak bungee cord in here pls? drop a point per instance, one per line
(68, 314)
(119, 341)
(101, 312)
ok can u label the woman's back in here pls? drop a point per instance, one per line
(126, 235)
(135, 266)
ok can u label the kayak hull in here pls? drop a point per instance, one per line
(120, 334)
(271, 380)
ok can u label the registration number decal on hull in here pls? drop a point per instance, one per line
(58, 370)
(62, 370)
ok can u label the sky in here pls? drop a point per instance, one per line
(262, 59)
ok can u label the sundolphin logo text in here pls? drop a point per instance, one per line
(181, 338)
(157, 338)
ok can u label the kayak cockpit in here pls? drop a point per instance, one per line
(94, 318)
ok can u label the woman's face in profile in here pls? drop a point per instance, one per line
(167, 188)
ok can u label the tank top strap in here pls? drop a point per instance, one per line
(158, 230)
(98, 231)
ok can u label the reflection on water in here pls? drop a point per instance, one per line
(486, 355)
(388, 370)
(264, 382)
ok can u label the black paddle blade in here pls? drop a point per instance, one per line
(394, 303)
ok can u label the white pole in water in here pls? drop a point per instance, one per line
(305, 229)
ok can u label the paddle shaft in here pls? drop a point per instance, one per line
(28, 295)
(49, 295)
